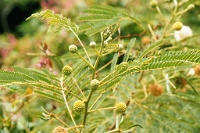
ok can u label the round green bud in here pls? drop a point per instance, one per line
(59, 129)
(94, 83)
(153, 3)
(120, 47)
(73, 48)
(190, 6)
(177, 26)
(121, 107)
(79, 106)
(93, 44)
(66, 70)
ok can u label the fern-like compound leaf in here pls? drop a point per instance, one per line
(171, 59)
(97, 18)
(56, 20)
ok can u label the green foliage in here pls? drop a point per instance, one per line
(121, 76)
(55, 20)
(171, 59)
(97, 18)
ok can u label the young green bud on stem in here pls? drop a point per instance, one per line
(177, 26)
(66, 70)
(94, 84)
(153, 3)
(73, 48)
(120, 47)
(92, 44)
(79, 106)
(121, 107)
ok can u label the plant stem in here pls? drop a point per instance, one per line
(84, 60)
(81, 44)
(57, 118)
(108, 108)
(78, 87)
(169, 22)
(96, 100)
(93, 76)
(152, 32)
(117, 122)
(65, 100)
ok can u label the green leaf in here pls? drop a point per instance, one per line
(97, 18)
(128, 50)
(114, 61)
(151, 48)
(55, 20)
(171, 59)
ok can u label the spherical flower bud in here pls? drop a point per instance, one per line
(190, 6)
(182, 34)
(73, 48)
(191, 72)
(197, 70)
(121, 107)
(120, 47)
(59, 129)
(156, 89)
(79, 106)
(93, 44)
(177, 26)
(66, 70)
(153, 3)
(94, 83)
(146, 40)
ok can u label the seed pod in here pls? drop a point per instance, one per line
(153, 3)
(156, 90)
(79, 106)
(94, 84)
(177, 26)
(121, 107)
(73, 48)
(59, 129)
(66, 70)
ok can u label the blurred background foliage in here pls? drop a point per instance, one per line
(20, 38)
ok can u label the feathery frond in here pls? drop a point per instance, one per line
(171, 59)
(56, 20)
(97, 18)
